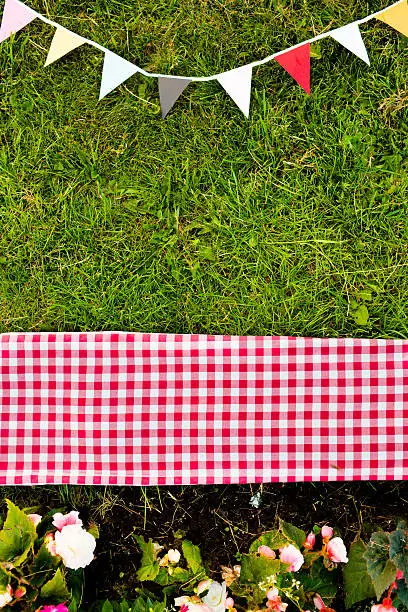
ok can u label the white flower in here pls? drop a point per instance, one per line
(173, 556)
(6, 597)
(216, 596)
(75, 546)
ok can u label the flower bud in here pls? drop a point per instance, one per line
(35, 518)
(173, 556)
(20, 592)
(267, 552)
(310, 541)
(327, 532)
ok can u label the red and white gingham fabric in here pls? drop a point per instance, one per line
(122, 408)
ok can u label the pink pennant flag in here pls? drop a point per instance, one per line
(297, 63)
(16, 16)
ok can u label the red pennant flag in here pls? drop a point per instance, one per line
(297, 63)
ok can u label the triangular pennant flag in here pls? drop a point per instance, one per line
(63, 42)
(396, 17)
(350, 37)
(16, 16)
(237, 84)
(297, 63)
(116, 70)
(170, 89)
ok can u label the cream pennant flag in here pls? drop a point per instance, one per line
(170, 89)
(396, 17)
(350, 37)
(16, 16)
(116, 70)
(237, 84)
(63, 42)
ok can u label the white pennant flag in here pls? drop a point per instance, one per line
(350, 37)
(237, 83)
(116, 71)
(170, 89)
(63, 42)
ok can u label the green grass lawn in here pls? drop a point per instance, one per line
(206, 222)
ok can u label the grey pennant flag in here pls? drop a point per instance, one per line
(170, 89)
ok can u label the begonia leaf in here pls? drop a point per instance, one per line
(17, 536)
(380, 568)
(357, 582)
(294, 534)
(192, 555)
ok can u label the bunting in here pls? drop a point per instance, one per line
(297, 63)
(116, 71)
(63, 42)
(236, 82)
(170, 89)
(396, 17)
(16, 16)
(350, 37)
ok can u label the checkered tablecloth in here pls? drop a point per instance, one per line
(122, 408)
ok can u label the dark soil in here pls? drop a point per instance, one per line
(219, 519)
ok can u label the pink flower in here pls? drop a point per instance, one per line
(191, 604)
(310, 541)
(35, 518)
(50, 545)
(6, 597)
(292, 555)
(61, 520)
(385, 606)
(173, 556)
(274, 601)
(336, 551)
(265, 551)
(57, 608)
(320, 605)
(229, 603)
(399, 575)
(327, 533)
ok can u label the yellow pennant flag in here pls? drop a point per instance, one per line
(63, 42)
(396, 17)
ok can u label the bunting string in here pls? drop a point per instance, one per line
(236, 82)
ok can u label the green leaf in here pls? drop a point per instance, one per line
(56, 589)
(75, 582)
(93, 530)
(357, 582)
(398, 550)
(5, 579)
(319, 580)
(142, 604)
(107, 607)
(379, 566)
(255, 569)
(192, 555)
(294, 534)
(73, 606)
(274, 539)
(361, 315)
(365, 295)
(149, 567)
(402, 592)
(42, 566)
(124, 606)
(17, 536)
(181, 575)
